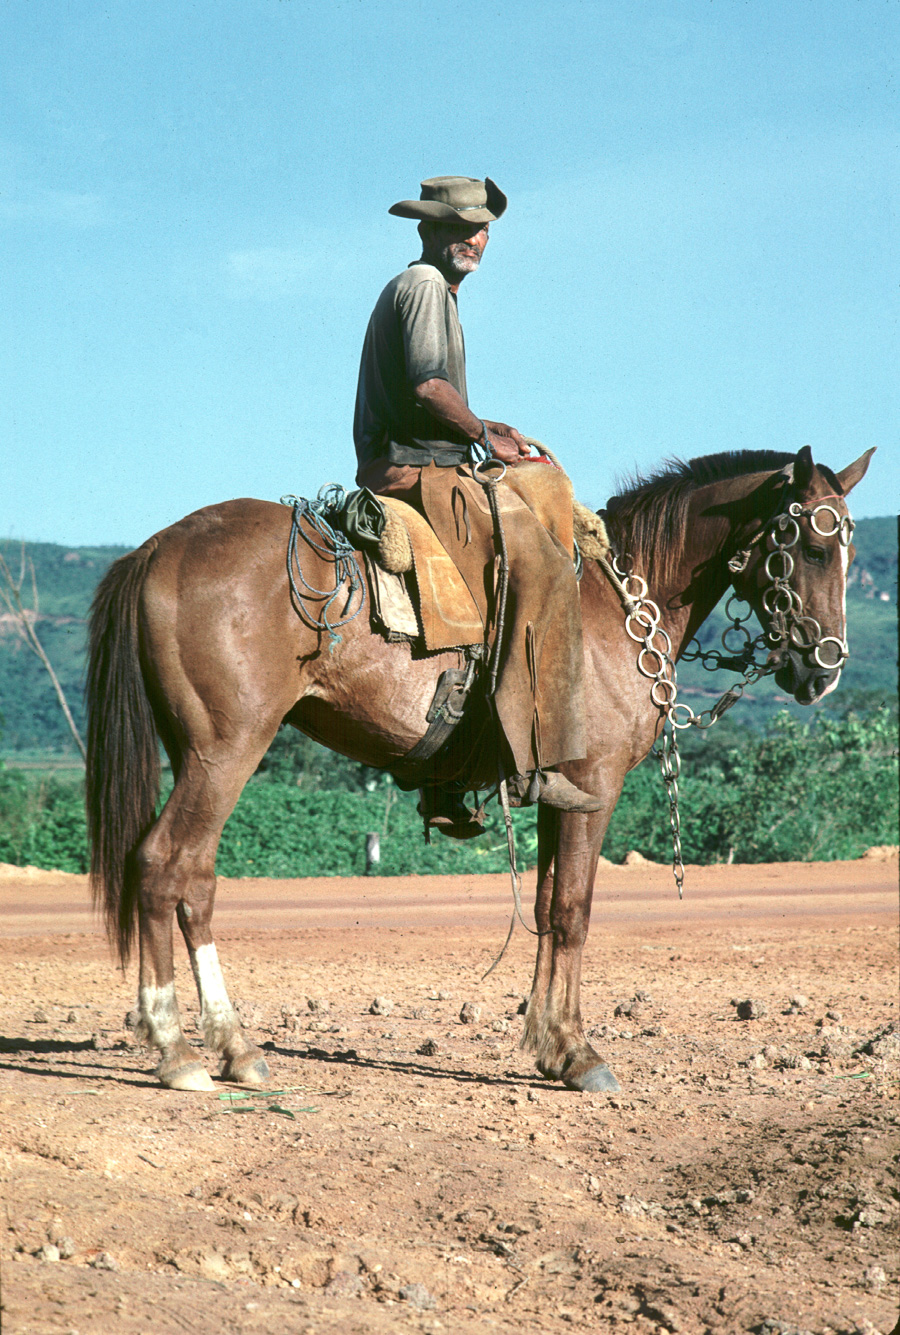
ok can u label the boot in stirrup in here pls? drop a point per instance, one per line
(553, 789)
(443, 810)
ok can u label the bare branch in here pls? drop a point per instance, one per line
(12, 597)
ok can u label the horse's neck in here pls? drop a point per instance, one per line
(701, 576)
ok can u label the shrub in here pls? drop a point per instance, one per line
(802, 791)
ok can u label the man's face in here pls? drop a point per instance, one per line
(455, 248)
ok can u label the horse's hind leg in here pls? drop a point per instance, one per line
(176, 864)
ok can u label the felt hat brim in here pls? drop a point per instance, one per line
(431, 210)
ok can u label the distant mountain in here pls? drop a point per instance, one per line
(30, 718)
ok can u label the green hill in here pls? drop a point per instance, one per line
(31, 721)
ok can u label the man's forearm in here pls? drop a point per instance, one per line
(446, 404)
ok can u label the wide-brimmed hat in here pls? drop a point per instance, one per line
(454, 199)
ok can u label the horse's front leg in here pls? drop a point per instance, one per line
(553, 1025)
(548, 833)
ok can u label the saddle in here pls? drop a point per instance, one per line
(427, 576)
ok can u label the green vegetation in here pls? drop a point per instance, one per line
(804, 791)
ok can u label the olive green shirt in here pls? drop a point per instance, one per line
(414, 335)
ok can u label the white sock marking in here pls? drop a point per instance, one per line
(217, 1015)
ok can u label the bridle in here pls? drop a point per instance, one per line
(789, 627)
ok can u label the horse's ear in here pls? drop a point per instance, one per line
(855, 472)
(803, 468)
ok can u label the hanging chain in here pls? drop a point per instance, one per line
(788, 625)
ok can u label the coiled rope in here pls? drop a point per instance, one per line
(334, 549)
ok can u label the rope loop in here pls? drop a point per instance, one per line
(333, 548)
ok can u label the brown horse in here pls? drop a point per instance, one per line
(195, 641)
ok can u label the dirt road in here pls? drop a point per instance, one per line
(414, 1173)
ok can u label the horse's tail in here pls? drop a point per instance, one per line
(122, 779)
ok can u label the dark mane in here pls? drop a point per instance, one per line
(647, 520)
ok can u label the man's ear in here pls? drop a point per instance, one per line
(855, 472)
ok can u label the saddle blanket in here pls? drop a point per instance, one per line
(444, 614)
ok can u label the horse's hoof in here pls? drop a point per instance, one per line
(253, 1072)
(596, 1080)
(194, 1076)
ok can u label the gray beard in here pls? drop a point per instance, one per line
(452, 266)
(460, 264)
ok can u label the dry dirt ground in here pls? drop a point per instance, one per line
(414, 1173)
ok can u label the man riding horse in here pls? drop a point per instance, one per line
(414, 432)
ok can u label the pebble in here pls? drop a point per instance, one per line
(48, 1252)
(798, 1001)
(500, 1026)
(105, 1261)
(344, 1285)
(470, 1013)
(418, 1296)
(66, 1247)
(792, 1061)
(751, 1010)
(381, 1006)
(40, 1017)
(319, 1005)
(874, 1278)
(71, 1018)
(429, 1048)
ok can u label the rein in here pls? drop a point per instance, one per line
(789, 626)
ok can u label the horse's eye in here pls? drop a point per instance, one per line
(815, 554)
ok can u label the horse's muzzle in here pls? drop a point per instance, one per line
(801, 676)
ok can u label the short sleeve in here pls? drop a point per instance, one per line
(423, 315)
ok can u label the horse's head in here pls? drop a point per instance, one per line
(795, 576)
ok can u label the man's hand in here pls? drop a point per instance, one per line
(444, 403)
(507, 444)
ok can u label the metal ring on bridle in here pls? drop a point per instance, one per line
(841, 648)
(642, 589)
(643, 619)
(736, 598)
(788, 566)
(739, 630)
(658, 655)
(787, 525)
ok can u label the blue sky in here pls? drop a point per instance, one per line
(699, 251)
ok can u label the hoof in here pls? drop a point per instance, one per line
(193, 1077)
(252, 1072)
(596, 1080)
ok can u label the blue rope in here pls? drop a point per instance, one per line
(335, 548)
(479, 450)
